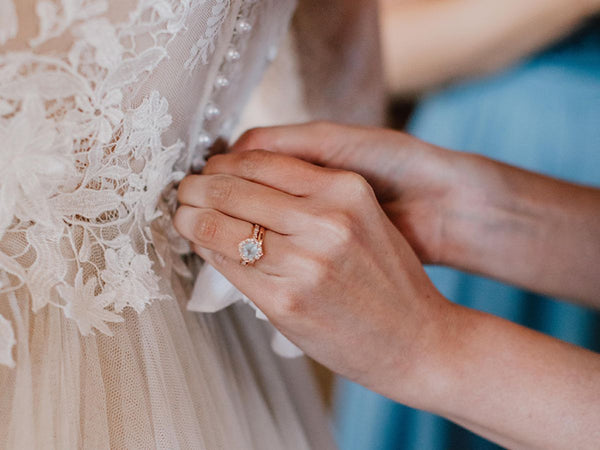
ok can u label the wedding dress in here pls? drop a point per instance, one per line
(104, 106)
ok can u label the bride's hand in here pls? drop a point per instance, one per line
(337, 277)
(462, 210)
(415, 182)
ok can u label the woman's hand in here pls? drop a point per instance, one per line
(464, 210)
(416, 183)
(337, 277)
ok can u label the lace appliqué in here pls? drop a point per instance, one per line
(55, 17)
(9, 25)
(205, 46)
(84, 181)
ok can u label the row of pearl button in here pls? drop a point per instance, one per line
(212, 111)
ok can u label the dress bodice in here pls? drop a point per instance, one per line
(104, 105)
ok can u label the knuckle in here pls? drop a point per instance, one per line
(355, 186)
(340, 227)
(220, 189)
(317, 269)
(206, 227)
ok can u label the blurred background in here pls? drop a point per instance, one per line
(515, 80)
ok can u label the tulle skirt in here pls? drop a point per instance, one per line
(167, 378)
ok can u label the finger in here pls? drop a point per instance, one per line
(212, 230)
(242, 199)
(249, 280)
(281, 172)
(316, 142)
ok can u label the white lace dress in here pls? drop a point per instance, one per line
(104, 106)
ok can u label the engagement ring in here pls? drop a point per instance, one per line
(251, 249)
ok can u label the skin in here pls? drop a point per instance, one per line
(340, 277)
(472, 37)
(463, 210)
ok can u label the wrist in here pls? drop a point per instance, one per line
(448, 369)
(488, 211)
(472, 188)
(431, 379)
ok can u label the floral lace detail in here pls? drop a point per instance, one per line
(206, 44)
(9, 25)
(85, 178)
(55, 17)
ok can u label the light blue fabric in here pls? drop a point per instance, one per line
(543, 115)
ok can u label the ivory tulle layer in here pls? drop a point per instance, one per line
(166, 379)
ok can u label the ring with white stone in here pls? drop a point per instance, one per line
(251, 249)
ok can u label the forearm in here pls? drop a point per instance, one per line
(523, 228)
(512, 385)
(428, 42)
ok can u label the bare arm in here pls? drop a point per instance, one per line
(429, 42)
(527, 229)
(512, 385)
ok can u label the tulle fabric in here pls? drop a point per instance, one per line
(165, 379)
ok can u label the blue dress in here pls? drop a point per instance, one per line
(543, 115)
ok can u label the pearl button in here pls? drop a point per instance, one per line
(232, 55)
(212, 112)
(228, 125)
(197, 163)
(221, 82)
(243, 26)
(204, 140)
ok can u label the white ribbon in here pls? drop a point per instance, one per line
(213, 292)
